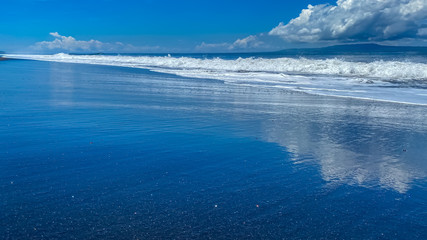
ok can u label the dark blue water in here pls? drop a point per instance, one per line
(349, 52)
(99, 152)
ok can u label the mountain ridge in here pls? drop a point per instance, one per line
(356, 48)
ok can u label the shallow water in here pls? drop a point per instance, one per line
(390, 77)
(106, 152)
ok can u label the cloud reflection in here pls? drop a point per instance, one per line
(365, 145)
(62, 78)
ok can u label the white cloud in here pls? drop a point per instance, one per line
(248, 43)
(251, 41)
(208, 47)
(70, 44)
(357, 20)
(422, 32)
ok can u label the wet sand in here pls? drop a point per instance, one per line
(110, 152)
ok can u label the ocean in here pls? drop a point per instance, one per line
(367, 71)
(214, 146)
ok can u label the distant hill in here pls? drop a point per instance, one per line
(356, 49)
(373, 48)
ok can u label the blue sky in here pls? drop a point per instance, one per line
(192, 26)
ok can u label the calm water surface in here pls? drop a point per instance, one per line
(99, 152)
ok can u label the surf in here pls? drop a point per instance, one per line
(386, 80)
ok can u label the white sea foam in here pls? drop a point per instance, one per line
(399, 81)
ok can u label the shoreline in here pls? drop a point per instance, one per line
(288, 87)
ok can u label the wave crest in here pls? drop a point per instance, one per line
(397, 81)
(389, 70)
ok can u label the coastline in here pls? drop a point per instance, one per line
(397, 81)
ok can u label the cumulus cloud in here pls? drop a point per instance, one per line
(357, 20)
(422, 32)
(70, 44)
(248, 43)
(212, 46)
(251, 41)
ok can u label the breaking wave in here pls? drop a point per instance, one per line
(393, 70)
(331, 76)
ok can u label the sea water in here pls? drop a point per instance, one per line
(394, 76)
(119, 150)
